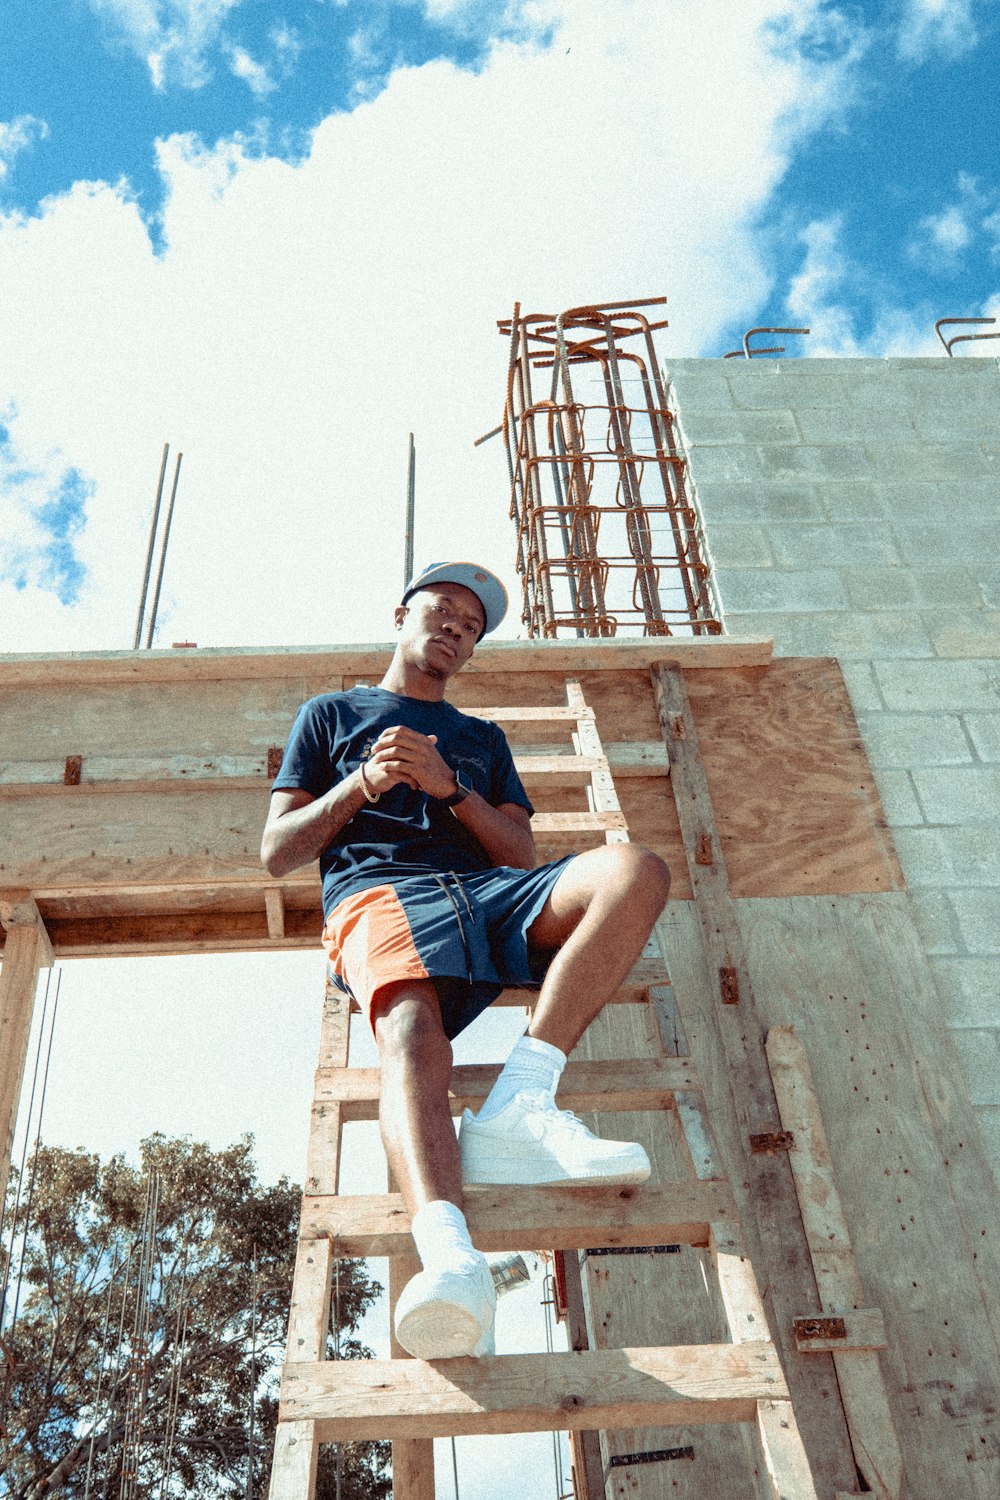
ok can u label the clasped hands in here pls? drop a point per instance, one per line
(403, 755)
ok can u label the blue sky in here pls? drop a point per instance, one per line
(278, 234)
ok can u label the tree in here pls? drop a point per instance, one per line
(150, 1327)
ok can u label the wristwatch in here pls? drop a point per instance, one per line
(462, 790)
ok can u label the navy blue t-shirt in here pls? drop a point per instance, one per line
(405, 832)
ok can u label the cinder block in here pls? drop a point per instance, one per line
(730, 463)
(701, 426)
(988, 579)
(701, 391)
(879, 588)
(923, 542)
(849, 635)
(964, 421)
(921, 461)
(934, 919)
(862, 686)
(742, 501)
(964, 634)
(972, 987)
(854, 500)
(966, 383)
(980, 1055)
(879, 389)
(938, 501)
(959, 795)
(978, 917)
(854, 424)
(936, 685)
(805, 395)
(949, 857)
(735, 546)
(772, 591)
(984, 731)
(910, 740)
(846, 461)
(952, 587)
(805, 546)
(899, 801)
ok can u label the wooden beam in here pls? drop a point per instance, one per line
(609, 1388)
(214, 664)
(293, 1468)
(26, 951)
(515, 1218)
(274, 905)
(633, 1084)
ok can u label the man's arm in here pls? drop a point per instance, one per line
(300, 826)
(504, 831)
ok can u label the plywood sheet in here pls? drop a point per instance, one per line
(918, 1193)
(795, 801)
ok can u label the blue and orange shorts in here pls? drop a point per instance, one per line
(467, 933)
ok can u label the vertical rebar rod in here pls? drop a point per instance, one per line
(163, 553)
(102, 1358)
(149, 550)
(411, 498)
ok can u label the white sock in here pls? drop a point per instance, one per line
(532, 1066)
(440, 1233)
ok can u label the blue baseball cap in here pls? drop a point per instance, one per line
(478, 580)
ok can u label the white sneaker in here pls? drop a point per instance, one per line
(448, 1311)
(530, 1141)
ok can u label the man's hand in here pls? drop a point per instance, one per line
(402, 755)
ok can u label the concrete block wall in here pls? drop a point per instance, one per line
(852, 509)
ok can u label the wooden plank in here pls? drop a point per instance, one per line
(567, 823)
(293, 1470)
(360, 1399)
(862, 1387)
(784, 1452)
(274, 905)
(863, 1328)
(516, 1218)
(796, 806)
(768, 1202)
(640, 1084)
(412, 1458)
(25, 952)
(214, 664)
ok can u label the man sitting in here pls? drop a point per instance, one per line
(433, 905)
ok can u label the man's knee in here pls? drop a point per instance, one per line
(406, 1019)
(637, 873)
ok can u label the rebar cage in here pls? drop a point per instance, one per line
(598, 554)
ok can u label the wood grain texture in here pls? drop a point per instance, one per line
(293, 1471)
(917, 1190)
(25, 950)
(635, 1084)
(531, 1392)
(513, 1218)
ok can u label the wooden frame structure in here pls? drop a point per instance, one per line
(787, 991)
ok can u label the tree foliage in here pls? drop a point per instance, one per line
(110, 1390)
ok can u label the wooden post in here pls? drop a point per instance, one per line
(27, 950)
(763, 1177)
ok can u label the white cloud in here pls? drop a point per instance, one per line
(929, 27)
(15, 136)
(301, 320)
(173, 37)
(939, 239)
(253, 74)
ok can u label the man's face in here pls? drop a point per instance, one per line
(440, 626)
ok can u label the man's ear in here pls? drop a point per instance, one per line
(401, 613)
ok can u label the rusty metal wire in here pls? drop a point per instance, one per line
(961, 338)
(608, 537)
(746, 352)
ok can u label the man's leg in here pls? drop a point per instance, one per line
(417, 1132)
(601, 911)
(599, 915)
(447, 1309)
